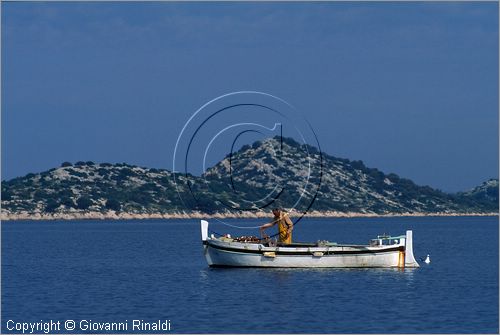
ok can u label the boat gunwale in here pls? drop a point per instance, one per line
(327, 251)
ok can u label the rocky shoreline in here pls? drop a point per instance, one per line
(112, 215)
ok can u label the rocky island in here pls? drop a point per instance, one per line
(121, 191)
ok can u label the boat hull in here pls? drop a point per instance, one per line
(217, 257)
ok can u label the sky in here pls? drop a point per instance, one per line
(408, 88)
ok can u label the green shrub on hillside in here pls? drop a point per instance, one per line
(113, 204)
(84, 202)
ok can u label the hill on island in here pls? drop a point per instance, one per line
(274, 172)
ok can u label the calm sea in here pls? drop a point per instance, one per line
(154, 270)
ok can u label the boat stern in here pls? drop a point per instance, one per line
(410, 260)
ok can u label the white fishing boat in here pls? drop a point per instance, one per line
(383, 251)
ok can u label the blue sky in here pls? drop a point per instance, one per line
(409, 88)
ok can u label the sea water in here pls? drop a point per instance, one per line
(104, 273)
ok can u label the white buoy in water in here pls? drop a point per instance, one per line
(428, 259)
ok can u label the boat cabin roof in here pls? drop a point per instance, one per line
(387, 237)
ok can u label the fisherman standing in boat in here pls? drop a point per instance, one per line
(285, 225)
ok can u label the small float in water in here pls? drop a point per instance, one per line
(382, 252)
